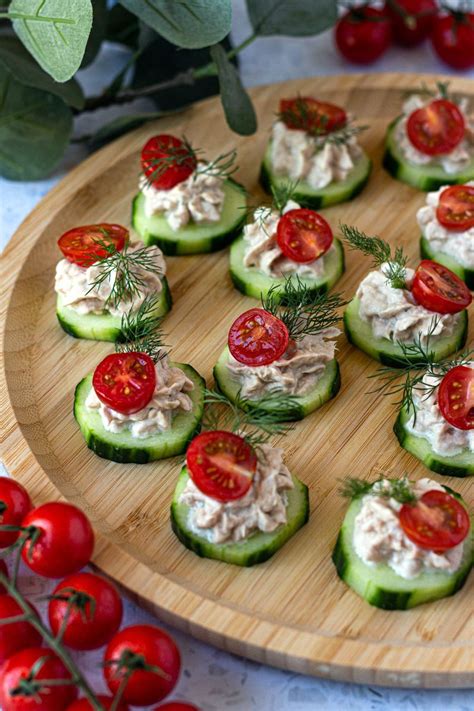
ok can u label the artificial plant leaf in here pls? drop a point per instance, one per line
(97, 34)
(122, 27)
(238, 107)
(298, 18)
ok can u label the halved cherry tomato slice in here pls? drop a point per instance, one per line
(167, 161)
(456, 207)
(436, 522)
(438, 289)
(87, 244)
(456, 397)
(125, 381)
(221, 464)
(257, 338)
(436, 128)
(307, 114)
(303, 235)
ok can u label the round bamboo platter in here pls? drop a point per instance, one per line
(293, 611)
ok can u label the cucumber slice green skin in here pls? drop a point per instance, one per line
(359, 333)
(194, 239)
(380, 586)
(326, 388)
(332, 194)
(122, 447)
(257, 548)
(422, 177)
(461, 465)
(256, 284)
(464, 273)
(103, 327)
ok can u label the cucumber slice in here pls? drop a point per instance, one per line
(380, 586)
(103, 327)
(122, 447)
(333, 193)
(423, 177)
(254, 283)
(359, 333)
(465, 273)
(194, 238)
(460, 465)
(255, 549)
(326, 388)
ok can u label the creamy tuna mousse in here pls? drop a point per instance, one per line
(199, 198)
(73, 284)
(169, 399)
(263, 508)
(457, 243)
(380, 539)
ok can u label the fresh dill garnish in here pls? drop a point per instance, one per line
(141, 330)
(341, 136)
(282, 193)
(398, 489)
(442, 90)
(381, 253)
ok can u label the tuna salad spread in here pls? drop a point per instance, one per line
(73, 285)
(169, 399)
(380, 539)
(263, 508)
(457, 243)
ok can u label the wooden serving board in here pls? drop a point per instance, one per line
(291, 611)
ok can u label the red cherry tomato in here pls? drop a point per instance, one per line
(167, 161)
(412, 20)
(62, 542)
(453, 39)
(125, 381)
(94, 622)
(176, 706)
(456, 207)
(303, 235)
(47, 698)
(151, 646)
(363, 34)
(456, 397)
(257, 338)
(437, 128)
(221, 464)
(16, 635)
(85, 705)
(437, 521)
(438, 289)
(86, 245)
(14, 505)
(307, 114)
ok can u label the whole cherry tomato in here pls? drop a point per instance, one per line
(14, 505)
(412, 20)
(85, 705)
(363, 34)
(453, 39)
(16, 635)
(456, 397)
(167, 161)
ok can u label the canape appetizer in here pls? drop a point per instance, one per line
(102, 277)
(432, 143)
(289, 350)
(447, 229)
(403, 543)
(137, 405)
(315, 143)
(186, 205)
(395, 305)
(284, 241)
(235, 500)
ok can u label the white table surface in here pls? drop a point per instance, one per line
(212, 679)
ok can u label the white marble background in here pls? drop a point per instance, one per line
(212, 679)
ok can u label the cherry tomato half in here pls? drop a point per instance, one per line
(437, 521)
(167, 161)
(86, 245)
(436, 128)
(85, 705)
(456, 207)
(411, 20)
(221, 464)
(257, 338)
(438, 289)
(14, 505)
(303, 235)
(15, 636)
(176, 706)
(453, 39)
(307, 114)
(63, 540)
(125, 381)
(456, 397)
(363, 34)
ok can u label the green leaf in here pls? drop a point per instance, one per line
(187, 23)
(298, 18)
(97, 34)
(19, 61)
(122, 125)
(35, 128)
(122, 27)
(238, 107)
(54, 31)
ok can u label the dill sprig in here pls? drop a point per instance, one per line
(282, 193)
(341, 135)
(381, 253)
(398, 489)
(141, 330)
(442, 90)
